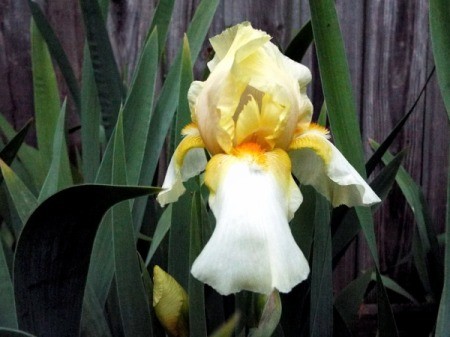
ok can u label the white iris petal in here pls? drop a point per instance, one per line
(338, 181)
(194, 163)
(252, 247)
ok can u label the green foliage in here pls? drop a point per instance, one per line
(77, 249)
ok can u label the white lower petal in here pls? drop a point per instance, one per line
(252, 247)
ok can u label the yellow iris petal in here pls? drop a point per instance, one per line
(238, 41)
(314, 138)
(248, 122)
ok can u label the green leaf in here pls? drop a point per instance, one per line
(300, 43)
(133, 304)
(106, 74)
(179, 265)
(301, 225)
(138, 108)
(427, 248)
(46, 95)
(93, 322)
(386, 322)
(8, 317)
(394, 286)
(337, 89)
(349, 227)
(28, 156)
(178, 255)
(53, 253)
(10, 150)
(197, 318)
(348, 301)
(443, 323)
(24, 201)
(440, 43)
(161, 20)
(168, 99)
(5, 332)
(90, 121)
(59, 174)
(162, 228)
(376, 157)
(335, 76)
(56, 50)
(270, 316)
(321, 317)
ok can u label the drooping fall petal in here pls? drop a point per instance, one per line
(188, 161)
(252, 248)
(317, 162)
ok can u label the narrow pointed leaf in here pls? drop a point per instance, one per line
(29, 156)
(53, 253)
(8, 317)
(59, 175)
(24, 201)
(138, 107)
(349, 226)
(348, 301)
(167, 101)
(394, 286)
(162, 228)
(90, 116)
(428, 241)
(106, 74)
(46, 95)
(161, 20)
(379, 152)
(440, 42)
(300, 43)
(179, 265)
(443, 323)
(321, 317)
(133, 304)
(56, 50)
(10, 150)
(5, 332)
(337, 89)
(197, 318)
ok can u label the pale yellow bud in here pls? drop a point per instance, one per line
(171, 304)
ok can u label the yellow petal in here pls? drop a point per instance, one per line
(238, 41)
(171, 303)
(313, 138)
(266, 71)
(248, 122)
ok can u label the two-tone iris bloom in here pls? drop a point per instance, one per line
(253, 116)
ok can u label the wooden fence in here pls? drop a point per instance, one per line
(389, 54)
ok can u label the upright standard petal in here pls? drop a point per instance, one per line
(317, 162)
(252, 248)
(188, 160)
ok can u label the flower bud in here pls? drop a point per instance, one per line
(171, 304)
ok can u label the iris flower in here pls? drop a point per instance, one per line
(253, 117)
